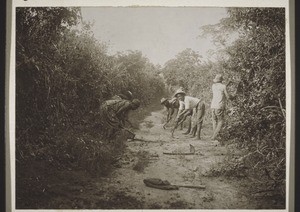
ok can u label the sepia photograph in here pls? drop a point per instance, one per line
(150, 107)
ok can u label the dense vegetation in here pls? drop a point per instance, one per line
(251, 54)
(258, 59)
(63, 74)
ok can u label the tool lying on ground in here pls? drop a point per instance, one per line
(131, 133)
(144, 140)
(166, 185)
(134, 138)
(192, 152)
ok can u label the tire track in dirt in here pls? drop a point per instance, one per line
(146, 160)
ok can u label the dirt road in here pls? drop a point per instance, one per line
(124, 188)
(146, 160)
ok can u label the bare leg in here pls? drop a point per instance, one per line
(189, 127)
(218, 128)
(214, 122)
(169, 117)
(181, 126)
(193, 123)
(193, 131)
(199, 127)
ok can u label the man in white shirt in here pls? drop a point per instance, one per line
(188, 103)
(218, 104)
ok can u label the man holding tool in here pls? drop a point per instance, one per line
(188, 103)
(114, 114)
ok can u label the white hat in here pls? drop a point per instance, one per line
(218, 78)
(179, 91)
(163, 100)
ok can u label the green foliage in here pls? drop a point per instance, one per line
(231, 167)
(251, 53)
(257, 119)
(178, 71)
(63, 74)
(139, 74)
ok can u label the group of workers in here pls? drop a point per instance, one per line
(195, 108)
(114, 112)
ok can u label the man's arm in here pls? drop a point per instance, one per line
(180, 118)
(226, 93)
(131, 125)
(122, 109)
(181, 112)
(183, 117)
(170, 113)
(121, 113)
(126, 119)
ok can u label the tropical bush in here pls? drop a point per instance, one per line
(63, 74)
(258, 120)
(251, 54)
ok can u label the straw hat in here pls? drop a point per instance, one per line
(179, 91)
(218, 78)
(163, 100)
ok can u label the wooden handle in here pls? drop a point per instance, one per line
(192, 186)
(178, 153)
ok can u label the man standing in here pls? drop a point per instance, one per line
(190, 103)
(218, 104)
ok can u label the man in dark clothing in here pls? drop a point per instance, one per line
(171, 105)
(126, 95)
(114, 114)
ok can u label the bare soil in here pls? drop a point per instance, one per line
(123, 188)
(145, 159)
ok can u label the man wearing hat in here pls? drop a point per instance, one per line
(188, 103)
(114, 114)
(218, 104)
(125, 95)
(171, 105)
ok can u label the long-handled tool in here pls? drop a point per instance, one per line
(166, 185)
(192, 186)
(134, 138)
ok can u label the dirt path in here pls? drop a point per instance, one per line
(125, 187)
